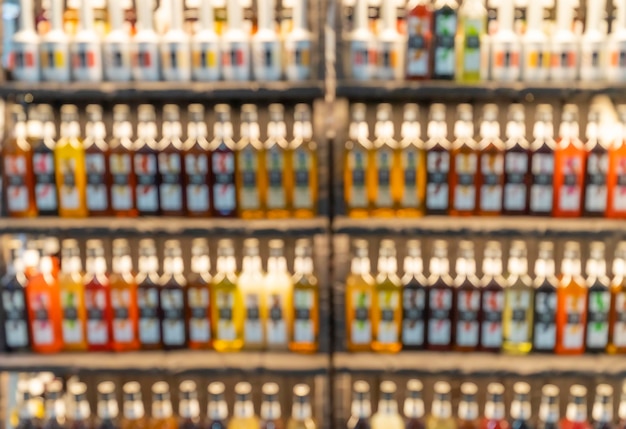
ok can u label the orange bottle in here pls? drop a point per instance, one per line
(616, 177)
(463, 164)
(569, 167)
(72, 293)
(123, 290)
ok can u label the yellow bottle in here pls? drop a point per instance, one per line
(359, 290)
(250, 283)
(387, 302)
(72, 292)
(243, 411)
(359, 175)
(276, 172)
(386, 189)
(69, 156)
(250, 166)
(441, 412)
(304, 335)
(413, 165)
(278, 298)
(471, 53)
(302, 180)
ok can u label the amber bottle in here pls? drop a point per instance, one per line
(197, 164)
(42, 133)
(517, 175)
(466, 325)
(170, 164)
(145, 163)
(386, 191)
(121, 164)
(97, 163)
(463, 164)
(542, 163)
(492, 299)
(357, 166)
(250, 166)
(437, 162)
(468, 407)
(490, 177)
(123, 298)
(440, 300)
(97, 298)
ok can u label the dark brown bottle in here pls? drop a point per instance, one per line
(414, 405)
(14, 317)
(414, 298)
(492, 299)
(541, 193)
(172, 298)
(437, 162)
(42, 133)
(490, 177)
(145, 163)
(466, 325)
(197, 164)
(148, 296)
(97, 163)
(171, 168)
(440, 300)
(463, 164)
(223, 165)
(517, 174)
(121, 165)
(595, 195)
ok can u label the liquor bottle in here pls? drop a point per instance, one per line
(24, 415)
(161, 417)
(621, 411)
(175, 47)
(617, 318)
(277, 169)
(471, 46)
(564, 49)
(413, 163)
(544, 315)
(123, 290)
(270, 408)
(616, 176)
(243, 410)
(55, 47)
(188, 406)
(69, 157)
(301, 413)
(414, 298)
(441, 409)
(464, 164)
(597, 149)
(170, 164)
(148, 294)
(298, 45)
(468, 407)
(303, 164)
(391, 45)
(571, 314)
(197, 161)
(535, 44)
(521, 409)
(549, 408)
(25, 59)
(419, 24)
(250, 166)
(598, 300)
(17, 155)
(505, 45)
(593, 44)
(385, 192)
(445, 26)
(97, 298)
(616, 54)
(362, 60)
(492, 298)
(277, 298)
(80, 417)
(542, 163)
(223, 166)
(494, 408)
(227, 311)
(86, 48)
(602, 411)
(121, 165)
(576, 412)
(217, 410)
(517, 316)
(361, 407)
(490, 165)
(145, 163)
(305, 316)
(359, 290)
(42, 132)
(145, 45)
(116, 46)
(198, 296)
(266, 46)
(172, 298)
(108, 409)
(133, 411)
(437, 162)
(13, 300)
(414, 405)
(358, 165)
(517, 176)
(387, 416)
(205, 46)
(235, 45)
(386, 312)
(249, 283)
(440, 299)
(466, 300)
(97, 163)
(569, 167)
(55, 412)
(72, 290)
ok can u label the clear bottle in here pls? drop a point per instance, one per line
(602, 411)
(440, 299)
(468, 407)
(80, 412)
(517, 174)
(361, 408)
(303, 165)
(276, 164)
(301, 412)
(205, 46)
(250, 284)
(266, 44)
(617, 319)
(162, 416)
(278, 298)
(492, 298)
(306, 318)
(521, 409)
(490, 180)
(414, 405)
(386, 307)
(298, 45)
(413, 165)
(437, 162)
(392, 44)
(386, 190)
(360, 286)
(597, 167)
(97, 298)
(55, 412)
(72, 297)
(108, 410)
(123, 289)
(145, 45)
(548, 417)
(250, 165)
(270, 408)
(170, 164)
(358, 165)
(495, 413)
(42, 133)
(576, 412)
(441, 409)
(223, 165)
(464, 164)
(387, 415)
(15, 333)
(145, 162)
(414, 298)
(198, 309)
(362, 46)
(545, 302)
(188, 406)
(197, 161)
(243, 410)
(542, 149)
(116, 46)
(97, 163)
(175, 46)
(133, 411)
(217, 409)
(172, 297)
(121, 165)
(466, 324)
(148, 294)
(598, 300)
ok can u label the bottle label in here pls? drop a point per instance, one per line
(445, 30)
(298, 59)
(384, 165)
(304, 324)
(506, 60)
(236, 60)
(418, 58)
(266, 59)
(97, 329)
(492, 168)
(171, 188)
(199, 320)
(72, 326)
(619, 190)
(205, 55)
(410, 197)
(574, 329)
(545, 326)
(467, 326)
(363, 59)
(303, 171)
(389, 306)
(518, 304)
(619, 328)
(465, 189)
(86, 60)
(275, 166)
(491, 332)
(357, 162)
(25, 61)
(45, 182)
(564, 61)
(472, 57)
(541, 189)
(116, 56)
(414, 306)
(41, 325)
(536, 60)
(97, 198)
(439, 326)
(197, 171)
(390, 57)
(69, 196)
(18, 198)
(123, 329)
(121, 192)
(570, 193)
(147, 191)
(276, 323)
(226, 330)
(146, 61)
(248, 192)
(149, 329)
(515, 168)
(596, 192)
(598, 319)
(224, 196)
(173, 305)
(438, 166)
(15, 326)
(361, 326)
(174, 57)
(253, 327)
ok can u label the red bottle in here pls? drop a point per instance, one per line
(419, 24)
(97, 299)
(492, 299)
(495, 411)
(576, 412)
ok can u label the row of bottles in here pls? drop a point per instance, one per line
(102, 172)
(450, 39)
(480, 173)
(508, 311)
(269, 53)
(468, 416)
(49, 307)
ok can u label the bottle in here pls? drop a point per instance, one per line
(123, 290)
(302, 159)
(205, 46)
(414, 298)
(617, 318)
(598, 300)
(440, 299)
(363, 47)
(470, 41)
(223, 166)
(517, 175)
(391, 45)
(148, 294)
(468, 407)
(172, 298)
(542, 163)
(359, 290)
(145, 162)
(145, 45)
(521, 409)
(517, 316)
(188, 406)
(602, 411)
(505, 45)
(597, 148)
(250, 158)
(301, 413)
(121, 165)
(55, 413)
(170, 164)
(227, 310)
(217, 410)
(564, 51)
(250, 285)
(55, 47)
(198, 309)
(69, 155)
(545, 302)
(492, 298)
(80, 417)
(133, 411)
(278, 298)
(386, 306)
(413, 165)
(616, 176)
(445, 27)
(108, 409)
(42, 131)
(387, 416)
(419, 23)
(298, 45)
(97, 298)
(491, 164)
(18, 168)
(243, 410)
(196, 164)
(266, 46)
(535, 45)
(277, 168)
(466, 325)
(361, 408)
(15, 333)
(25, 59)
(86, 48)
(162, 417)
(305, 313)
(549, 408)
(616, 45)
(72, 290)
(441, 409)
(175, 47)
(593, 44)
(464, 164)
(414, 405)
(116, 46)
(576, 412)
(385, 193)
(622, 407)
(437, 162)
(96, 163)
(358, 165)
(270, 408)
(571, 315)
(25, 412)
(235, 45)
(494, 408)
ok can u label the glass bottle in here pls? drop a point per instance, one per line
(576, 412)
(598, 300)
(490, 180)
(548, 417)
(359, 289)
(80, 417)
(468, 407)
(414, 298)
(123, 289)
(469, 42)
(172, 298)
(161, 416)
(441, 409)
(97, 298)
(133, 411)
(597, 154)
(303, 165)
(621, 411)
(301, 412)
(445, 27)
(361, 408)
(602, 411)
(188, 406)
(250, 165)
(148, 294)
(55, 412)
(197, 164)
(545, 303)
(223, 166)
(521, 409)
(270, 408)
(277, 168)
(466, 325)
(25, 414)
(386, 190)
(277, 298)
(243, 410)
(145, 163)
(617, 317)
(97, 163)
(304, 335)
(217, 410)
(517, 174)
(42, 132)
(108, 409)
(359, 171)
(437, 162)
(440, 299)
(13, 283)
(517, 317)
(170, 164)
(121, 165)
(571, 314)
(492, 298)
(419, 25)
(495, 417)
(414, 405)
(198, 296)
(228, 311)
(542, 163)
(72, 298)
(386, 307)
(250, 284)
(464, 164)
(616, 176)
(387, 415)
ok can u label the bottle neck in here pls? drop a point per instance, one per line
(468, 410)
(172, 130)
(300, 15)
(360, 265)
(303, 265)
(544, 268)
(276, 130)
(200, 264)
(173, 266)
(568, 130)
(276, 265)
(359, 131)
(301, 411)
(543, 130)
(490, 130)
(146, 130)
(116, 15)
(619, 267)
(302, 130)
(465, 267)
(189, 409)
(413, 266)
(148, 264)
(570, 267)
(437, 130)
(463, 130)
(441, 409)
(576, 412)
(133, 410)
(107, 409)
(595, 268)
(162, 409)
(250, 130)
(176, 9)
(411, 131)
(266, 14)
(56, 16)
(217, 410)
(226, 264)
(387, 406)
(70, 130)
(122, 130)
(494, 410)
(95, 130)
(521, 410)
(122, 264)
(27, 23)
(515, 130)
(517, 266)
(384, 129)
(492, 267)
(144, 16)
(439, 266)
(223, 130)
(82, 411)
(55, 409)
(96, 265)
(243, 409)
(387, 265)
(602, 412)
(270, 410)
(196, 130)
(548, 413)
(251, 265)
(86, 16)
(414, 408)
(71, 265)
(361, 408)
(234, 15)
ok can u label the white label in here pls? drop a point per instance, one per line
(303, 170)
(598, 319)
(117, 64)
(505, 61)
(123, 329)
(173, 305)
(358, 164)
(236, 60)
(439, 325)
(619, 328)
(86, 61)
(518, 304)
(541, 191)
(45, 182)
(465, 190)
(15, 325)
(564, 61)
(438, 166)
(418, 56)
(492, 168)
(197, 170)
(384, 167)
(17, 192)
(545, 326)
(225, 323)
(596, 192)
(361, 326)
(253, 327)
(25, 61)
(199, 326)
(224, 194)
(205, 58)
(97, 198)
(148, 303)
(304, 306)
(97, 326)
(275, 167)
(146, 61)
(414, 304)
(536, 62)
(391, 59)
(388, 306)
(276, 323)
(515, 167)
(491, 332)
(72, 326)
(147, 193)
(121, 192)
(266, 60)
(574, 329)
(41, 325)
(467, 326)
(171, 188)
(176, 61)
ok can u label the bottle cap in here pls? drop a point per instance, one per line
(441, 388)
(546, 249)
(360, 248)
(199, 247)
(516, 113)
(95, 248)
(171, 113)
(550, 394)
(578, 394)
(160, 391)
(276, 247)
(495, 392)
(120, 247)
(132, 391)
(490, 112)
(249, 113)
(69, 248)
(301, 393)
(78, 391)
(384, 112)
(414, 388)
(358, 112)
(146, 113)
(411, 112)
(225, 247)
(243, 390)
(604, 393)
(437, 112)
(251, 247)
(361, 390)
(304, 247)
(522, 390)
(216, 390)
